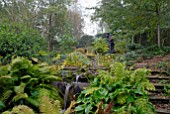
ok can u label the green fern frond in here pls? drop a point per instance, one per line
(57, 107)
(34, 102)
(118, 69)
(4, 70)
(121, 110)
(106, 77)
(52, 78)
(19, 97)
(20, 66)
(47, 107)
(20, 109)
(32, 81)
(121, 98)
(20, 88)
(6, 83)
(26, 77)
(43, 92)
(6, 95)
(91, 90)
(73, 103)
(147, 85)
(144, 106)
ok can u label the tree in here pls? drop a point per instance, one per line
(75, 15)
(50, 17)
(133, 16)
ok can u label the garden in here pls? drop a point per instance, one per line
(48, 66)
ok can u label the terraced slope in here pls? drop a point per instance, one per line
(160, 97)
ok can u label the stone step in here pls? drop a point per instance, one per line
(159, 99)
(162, 111)
(90, 68)
(158, 77)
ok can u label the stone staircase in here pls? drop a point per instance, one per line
(159, 97)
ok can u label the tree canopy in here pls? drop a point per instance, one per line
(134, 16)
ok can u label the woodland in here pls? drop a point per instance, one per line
(48, 65)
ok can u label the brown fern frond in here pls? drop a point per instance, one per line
(99, 107)
(108, 108)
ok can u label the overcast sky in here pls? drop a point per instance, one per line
(90, 28)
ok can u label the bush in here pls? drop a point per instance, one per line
(100, 45)
(77, 59)
(133, 46)
(17, 40)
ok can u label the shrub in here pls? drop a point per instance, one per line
(77, 59)
(17, 40)
(100, 45)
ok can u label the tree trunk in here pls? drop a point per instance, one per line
(159, 36)
(133, 39)
(49, 38)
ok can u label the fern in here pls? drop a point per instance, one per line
(47, 106)
(122, 98)
(120, 87)
(4, 70)
(19, 97)
(6, 95)
(20, 88)
(20, 109)
(52, 78)
(68, 111)
(147, 85)
(6, 83)
(77, 59)
(105, 77)
(121, 110)
(34, 83)
(33, 101)
(144, 106)
(91, 90)
(57, 107)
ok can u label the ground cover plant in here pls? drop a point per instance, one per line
(119, 91)
(136, 52)
(24, 83)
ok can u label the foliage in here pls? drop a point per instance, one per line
(133, 46)
(167, 89)
(100, 45)
(27, 83)
(86, 41)
(73, 103)
(17, 40)
(77, 59)
(55, 20)
(47, 106)
(139, 53)
(67, 43)
(118, 91)
(104, 60)
(132, 17)
(20, 109)
(168, 67)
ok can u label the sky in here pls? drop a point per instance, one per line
(90, 28)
